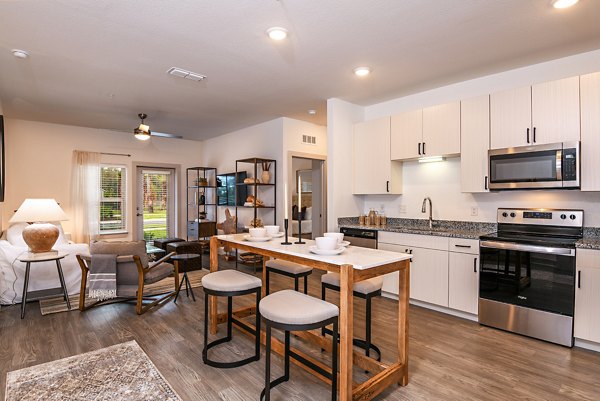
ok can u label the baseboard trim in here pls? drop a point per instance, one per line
(437, 308)
(589, 345)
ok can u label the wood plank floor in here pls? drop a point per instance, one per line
(450, 358)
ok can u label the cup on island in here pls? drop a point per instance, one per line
(272, 230)
(326, 243)
(258, 232)
(338, 236)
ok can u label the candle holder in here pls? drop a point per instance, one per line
(285, 226)
(299, 229)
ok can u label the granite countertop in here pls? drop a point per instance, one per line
(457, 229)
(441, 228)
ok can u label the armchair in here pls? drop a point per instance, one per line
(133, 272)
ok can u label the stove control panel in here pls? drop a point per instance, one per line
(546, 217)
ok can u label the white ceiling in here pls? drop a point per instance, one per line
(99, 63)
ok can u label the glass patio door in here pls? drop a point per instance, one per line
(155, 203)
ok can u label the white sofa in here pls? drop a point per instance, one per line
(43, 275)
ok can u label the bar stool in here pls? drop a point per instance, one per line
(366, 289)
(290, 310)
(230, 283)
(289, 269)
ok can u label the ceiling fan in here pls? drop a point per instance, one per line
(143, 133)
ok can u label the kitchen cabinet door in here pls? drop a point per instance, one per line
(587, 295)
(441, 130)
(590, 132)
(510, 118)
(390, 280)
(407, 135)
(555, 111)
(463, 282)
(373, 170)
(429, 276)
(474, 144)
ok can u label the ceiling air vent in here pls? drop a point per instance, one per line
(309, 139)
(180, 72)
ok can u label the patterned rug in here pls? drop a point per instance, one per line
(58, 304)
(119, 372)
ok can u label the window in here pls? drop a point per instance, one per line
(112, 199)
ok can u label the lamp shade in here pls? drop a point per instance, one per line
(39, 210)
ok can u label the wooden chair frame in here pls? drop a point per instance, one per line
(140, 307)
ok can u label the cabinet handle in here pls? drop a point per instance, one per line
(419, 148)
(475, 265)
(423, 147)
(527, 135)
(406, 250)
(387, 186)
(486, 182)
(533, 134)
(462, 246)
(410, 251)
(579, 279)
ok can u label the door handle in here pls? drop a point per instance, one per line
(527, 135)
(419, 148)
(475, 265)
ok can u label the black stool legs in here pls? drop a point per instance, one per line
(296, 278)
(230, 320)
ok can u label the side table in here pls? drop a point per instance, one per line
(184, 257)
(29, 258)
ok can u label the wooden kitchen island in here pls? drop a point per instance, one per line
(354, 264)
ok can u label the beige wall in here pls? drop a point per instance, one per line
(38, 157)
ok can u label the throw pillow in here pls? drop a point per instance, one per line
(308, 213)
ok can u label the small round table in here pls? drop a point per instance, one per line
(184, 257)
(29, 258)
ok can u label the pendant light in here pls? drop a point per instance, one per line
(142, 132)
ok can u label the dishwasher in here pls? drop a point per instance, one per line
(360, 237)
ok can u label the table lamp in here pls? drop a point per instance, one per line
(39, 235)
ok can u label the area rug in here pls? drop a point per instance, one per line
(119, 372)
(58, 304)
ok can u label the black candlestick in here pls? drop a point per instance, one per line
(285, 225)
(299, 229)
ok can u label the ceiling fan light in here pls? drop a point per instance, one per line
(144, 128)
(141, 134)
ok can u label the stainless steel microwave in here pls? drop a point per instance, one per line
(554, 165)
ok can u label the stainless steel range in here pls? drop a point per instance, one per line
(527, 273)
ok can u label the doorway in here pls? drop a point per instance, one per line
(309, 203)
(155, 203)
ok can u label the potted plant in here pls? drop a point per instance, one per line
(266, 175)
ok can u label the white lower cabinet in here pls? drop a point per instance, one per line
(429, 276)
(587, 295)
(463, 282)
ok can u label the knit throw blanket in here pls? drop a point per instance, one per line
(103, 277)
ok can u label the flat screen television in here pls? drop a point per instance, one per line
(226, 189)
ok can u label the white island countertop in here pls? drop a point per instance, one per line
(359, 257)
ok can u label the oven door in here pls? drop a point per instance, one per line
(526, 167)
(529, 276)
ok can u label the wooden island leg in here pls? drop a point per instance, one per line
(403, 297)
(212, 300)
(346, 331)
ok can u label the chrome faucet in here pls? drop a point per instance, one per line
(424, 209)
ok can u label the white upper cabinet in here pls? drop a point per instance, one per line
(590, 132)
(374, 172)
(474, 144)
(540, 114)
(433, 131)
(510, 118)
(407, 135)
(441, 130)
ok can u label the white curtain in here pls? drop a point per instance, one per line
(85, 196)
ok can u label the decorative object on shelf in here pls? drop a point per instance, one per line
(251, 180)
(201, 182)
(202, 202)
(256, 223)
(229, 226)
(266, 175)
(254, 201)
(39, 235)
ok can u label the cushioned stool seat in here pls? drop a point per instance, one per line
(230, 283)
(366, 289)
(289, 269)
(293, 311)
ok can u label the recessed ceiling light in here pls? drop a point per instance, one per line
(277, 33)
(362, 71)
(19, 53)
(564, 3)
(312, 112)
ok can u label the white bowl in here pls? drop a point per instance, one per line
(326, 243)
(258, 232)
(272, 230)
(338, 236)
